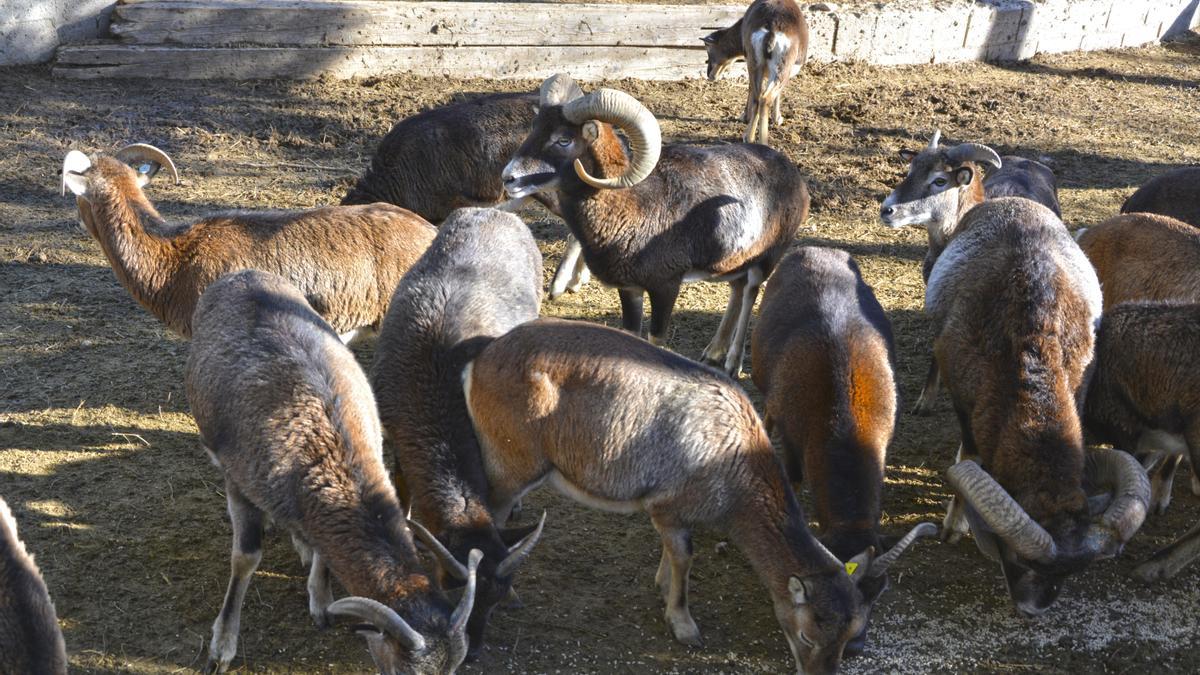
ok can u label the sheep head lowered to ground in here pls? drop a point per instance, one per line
(823, 357)
(286, 413)
(1015, 305)
(346, 260)
(660, 216)
(481, 276)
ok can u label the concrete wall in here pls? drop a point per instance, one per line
(30, 30)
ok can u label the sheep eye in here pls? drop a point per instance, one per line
(940, 182)
(563, 141)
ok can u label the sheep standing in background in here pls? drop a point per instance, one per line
(773, 38)
(823, 357)
(449, 157)
(287, 415)
(1175, 193)
(30, 640)
(481, 277)
(649, 223)
(943, 184)
(346, 260)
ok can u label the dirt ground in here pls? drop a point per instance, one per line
(99, 458)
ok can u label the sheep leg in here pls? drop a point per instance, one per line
(778, 117)
(737, 341)
(1169, 561)
(753, 100)
(1160, 453)
(677, 552)
(955, 525)
(320, 592)
(662, 304)
(247, 552)
(302, 548)
(714, 353)
(572, 271)
(929, 392)
(631, 310)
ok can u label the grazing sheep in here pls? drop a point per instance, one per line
(773, 38)
(1015, 304)
(823, 357)
(287, 415)
(481, 277)
(345, 259)
(621, 425)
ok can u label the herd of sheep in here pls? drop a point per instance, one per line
(1040, 336)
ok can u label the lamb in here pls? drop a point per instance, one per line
(662, 216)
(481, 277)
(773, 38)
(287, 415)
(942, 185)
(621, 425)
(1015, 304)
(1175, 193)
(823, 355)
(30, 639)
(345, 259)
(1144, 395)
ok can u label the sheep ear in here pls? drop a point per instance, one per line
(798, 590)
(146, 172)
(76, 183)
(73, 168)
(963, 175)
(710, 39)
(591, 131)
(908, 155)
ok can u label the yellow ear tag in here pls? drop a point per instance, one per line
(850, 567)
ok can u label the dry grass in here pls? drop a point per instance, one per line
(99, 460)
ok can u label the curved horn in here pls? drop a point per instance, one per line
(443, 555)
(74, 162)
(625, 112)
(1001, 512)
(934, 139)
(518, 552)
(458, 620)
(1131, 499)
(974, 152)
(559, 89)
(380, 616)
(881, 564)
(143, 152)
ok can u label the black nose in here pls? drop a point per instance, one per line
(886, 211)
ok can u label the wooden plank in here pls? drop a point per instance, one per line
(396, 23)
(584, 63)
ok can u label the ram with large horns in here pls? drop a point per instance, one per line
(653, 217)
(944, 182)
(1015, 305)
